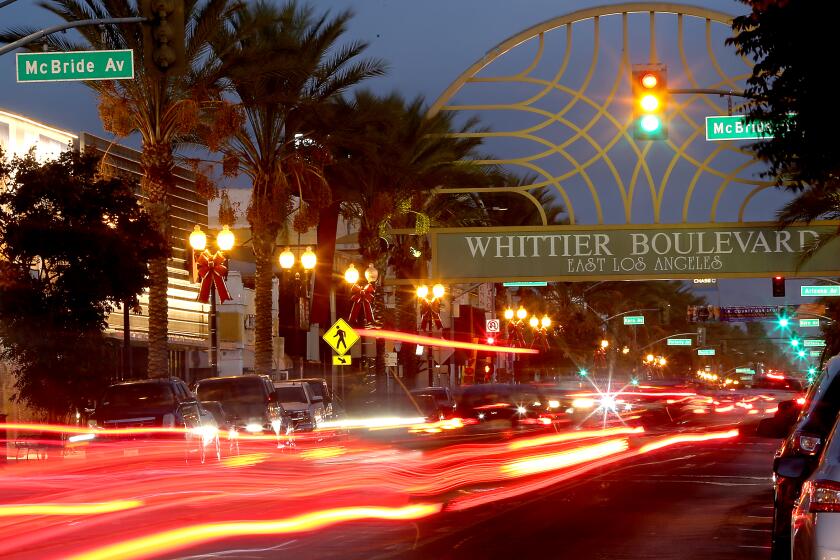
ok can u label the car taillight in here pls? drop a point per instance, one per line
(824, 495)
(807, 444)
(168, 421)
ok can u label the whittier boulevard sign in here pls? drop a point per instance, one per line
(629, 252)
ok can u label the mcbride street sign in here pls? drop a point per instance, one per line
(809, 322)
(634, 319)
(814, 342)
(679, 342)
(635, 252)
(819, 291)
(75, 66)
(735, 127)
(706, 352)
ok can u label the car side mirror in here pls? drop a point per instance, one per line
(790, 467)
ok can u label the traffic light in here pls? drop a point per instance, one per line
(583, 372)
(665, 314)
(794, 341)
(650, 98)
(163, 37)
(784, 322)
(701, 336)
(491, 341)
(778, 286)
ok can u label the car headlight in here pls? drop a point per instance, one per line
(253, 428)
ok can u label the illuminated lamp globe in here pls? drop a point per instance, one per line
(521, 313)
(438, 290)
(351, 275)
(225, 239)
(649, 103)
(605, 343)
(534, 321)
(508, 314)
(649, 358)
(649, 81)
(287, 259)
(198, 241)
(545, 321)
(423, 291)
(371, 274)
(308, 259)
(651, 123)
(663, 361)
(625, 350)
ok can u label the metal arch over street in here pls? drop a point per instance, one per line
(575, 177)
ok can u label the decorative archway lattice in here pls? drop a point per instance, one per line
(556, 98)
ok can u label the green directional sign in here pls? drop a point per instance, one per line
(818, 342)
(75, 66)
(706, 352)
(819, 291)
(809, 323)
(679, 342)
(525, 284)
(735, 127)
(816, 353)
(634, 319)
(748, 371)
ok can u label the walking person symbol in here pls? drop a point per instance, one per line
(340, 334)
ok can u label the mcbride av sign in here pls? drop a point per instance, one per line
(75, 66)
(568, 253)
(736, 127)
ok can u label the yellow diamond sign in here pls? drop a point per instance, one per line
(342, 360)
(341, 337)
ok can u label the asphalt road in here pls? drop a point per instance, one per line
(693, 501)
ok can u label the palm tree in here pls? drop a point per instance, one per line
(285, 66)
(162, 110)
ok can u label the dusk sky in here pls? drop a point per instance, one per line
(427, 44)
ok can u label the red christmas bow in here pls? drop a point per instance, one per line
(541, 339)
(211, 268)
(515, 335)
(362, 299)
(430, 315)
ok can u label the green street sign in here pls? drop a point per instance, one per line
(735, 127)
(809, 322)
(75, 66)
(814, 342)
(679, 342)
(816, 353)
(524, 284)
(706, 352)
(634, 319)
(748, 371)
(819, 291)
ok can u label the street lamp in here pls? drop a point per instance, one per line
(361, 297)
(212, 271)
(540, 327)
(430, 317)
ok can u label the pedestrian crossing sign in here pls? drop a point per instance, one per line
(342, 360)
(341, 337)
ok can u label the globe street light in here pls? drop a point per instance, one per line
(212, 271)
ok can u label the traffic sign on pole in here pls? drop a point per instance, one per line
(813, 342)
(746, 370)
(634, 319)
(492, 325)
(679, 342)
(819, 291)
(735, 127)
(705, 351)
(342, 360)
(341, 337)
(809, 323)
(75, 66)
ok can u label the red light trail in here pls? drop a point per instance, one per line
(442, 342)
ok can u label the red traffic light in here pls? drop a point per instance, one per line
(486, 369)
(778, 286)
(491, 340)
(649, 80)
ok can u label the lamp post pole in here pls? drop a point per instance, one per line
(214, 337)
(430, 318)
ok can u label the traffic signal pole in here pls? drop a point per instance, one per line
(23, 41)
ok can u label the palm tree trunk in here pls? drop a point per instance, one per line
(263, 242)
(157, 163)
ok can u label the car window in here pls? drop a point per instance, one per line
(825, 405)
(316, 388)
(291, 394)
(242, 390)
(139, 394)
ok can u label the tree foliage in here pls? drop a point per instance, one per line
(72, 246)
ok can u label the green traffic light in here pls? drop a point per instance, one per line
(812, 371)
(650, 123)
(794, 342)
(801, 353)
(784, 322)
(634, 382)
(582, 373)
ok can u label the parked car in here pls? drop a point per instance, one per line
(157, 403)
(249, 400)
(816, 515)
(319, 388)
(305, 409)
(803, 445)
(443, 396)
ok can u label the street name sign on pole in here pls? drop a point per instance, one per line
(816, 353)
(679, 342)
(75, 66)
(390, 359)
(341, 337)
(746, 370)
(813, 342)
(342, 360)
(819, 291)
(735, 127)
(634, 319)
(524, 284)
(809, 323)
(705, 351)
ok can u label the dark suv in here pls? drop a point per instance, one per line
(248, 400)
(799, 454)
(150, 403)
